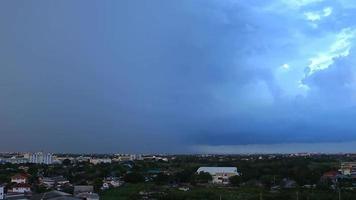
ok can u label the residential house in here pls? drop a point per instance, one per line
(20, 188)
(83, 189)
(50, 182)
(111, 182)
(330, 175)
(19, 178)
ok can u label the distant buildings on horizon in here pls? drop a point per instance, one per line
(50, 158)
(36, 158)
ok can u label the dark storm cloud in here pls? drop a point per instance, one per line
(145, 76)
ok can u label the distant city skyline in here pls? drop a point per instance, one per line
(183, 76)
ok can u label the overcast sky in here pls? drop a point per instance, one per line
(177, 76)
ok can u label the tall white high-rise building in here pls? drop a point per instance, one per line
(41, 158)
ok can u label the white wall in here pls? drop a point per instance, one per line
(1, 192)
(18, 180)
(21, 190)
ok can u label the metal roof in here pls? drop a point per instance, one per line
(215, 170)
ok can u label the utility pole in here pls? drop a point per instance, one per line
(297, 195)
(261, 198)
(339, 194)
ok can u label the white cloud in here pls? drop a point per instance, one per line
(312, 16)
(318, 15)
(327, 11)
(339, 48)
(285, 66)
(303, 86)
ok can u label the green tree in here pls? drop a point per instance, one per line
(134, 177)
(162, 178)
(185, 175)
(66, 162)
(202, 177)
(98, 182)
(235, 180)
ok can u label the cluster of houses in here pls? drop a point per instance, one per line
(19, 185)
(19, 188)
(347, 172)
(111, 182)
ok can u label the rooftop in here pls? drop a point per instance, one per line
(53, 195)
(215, 170)
(20, 176)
